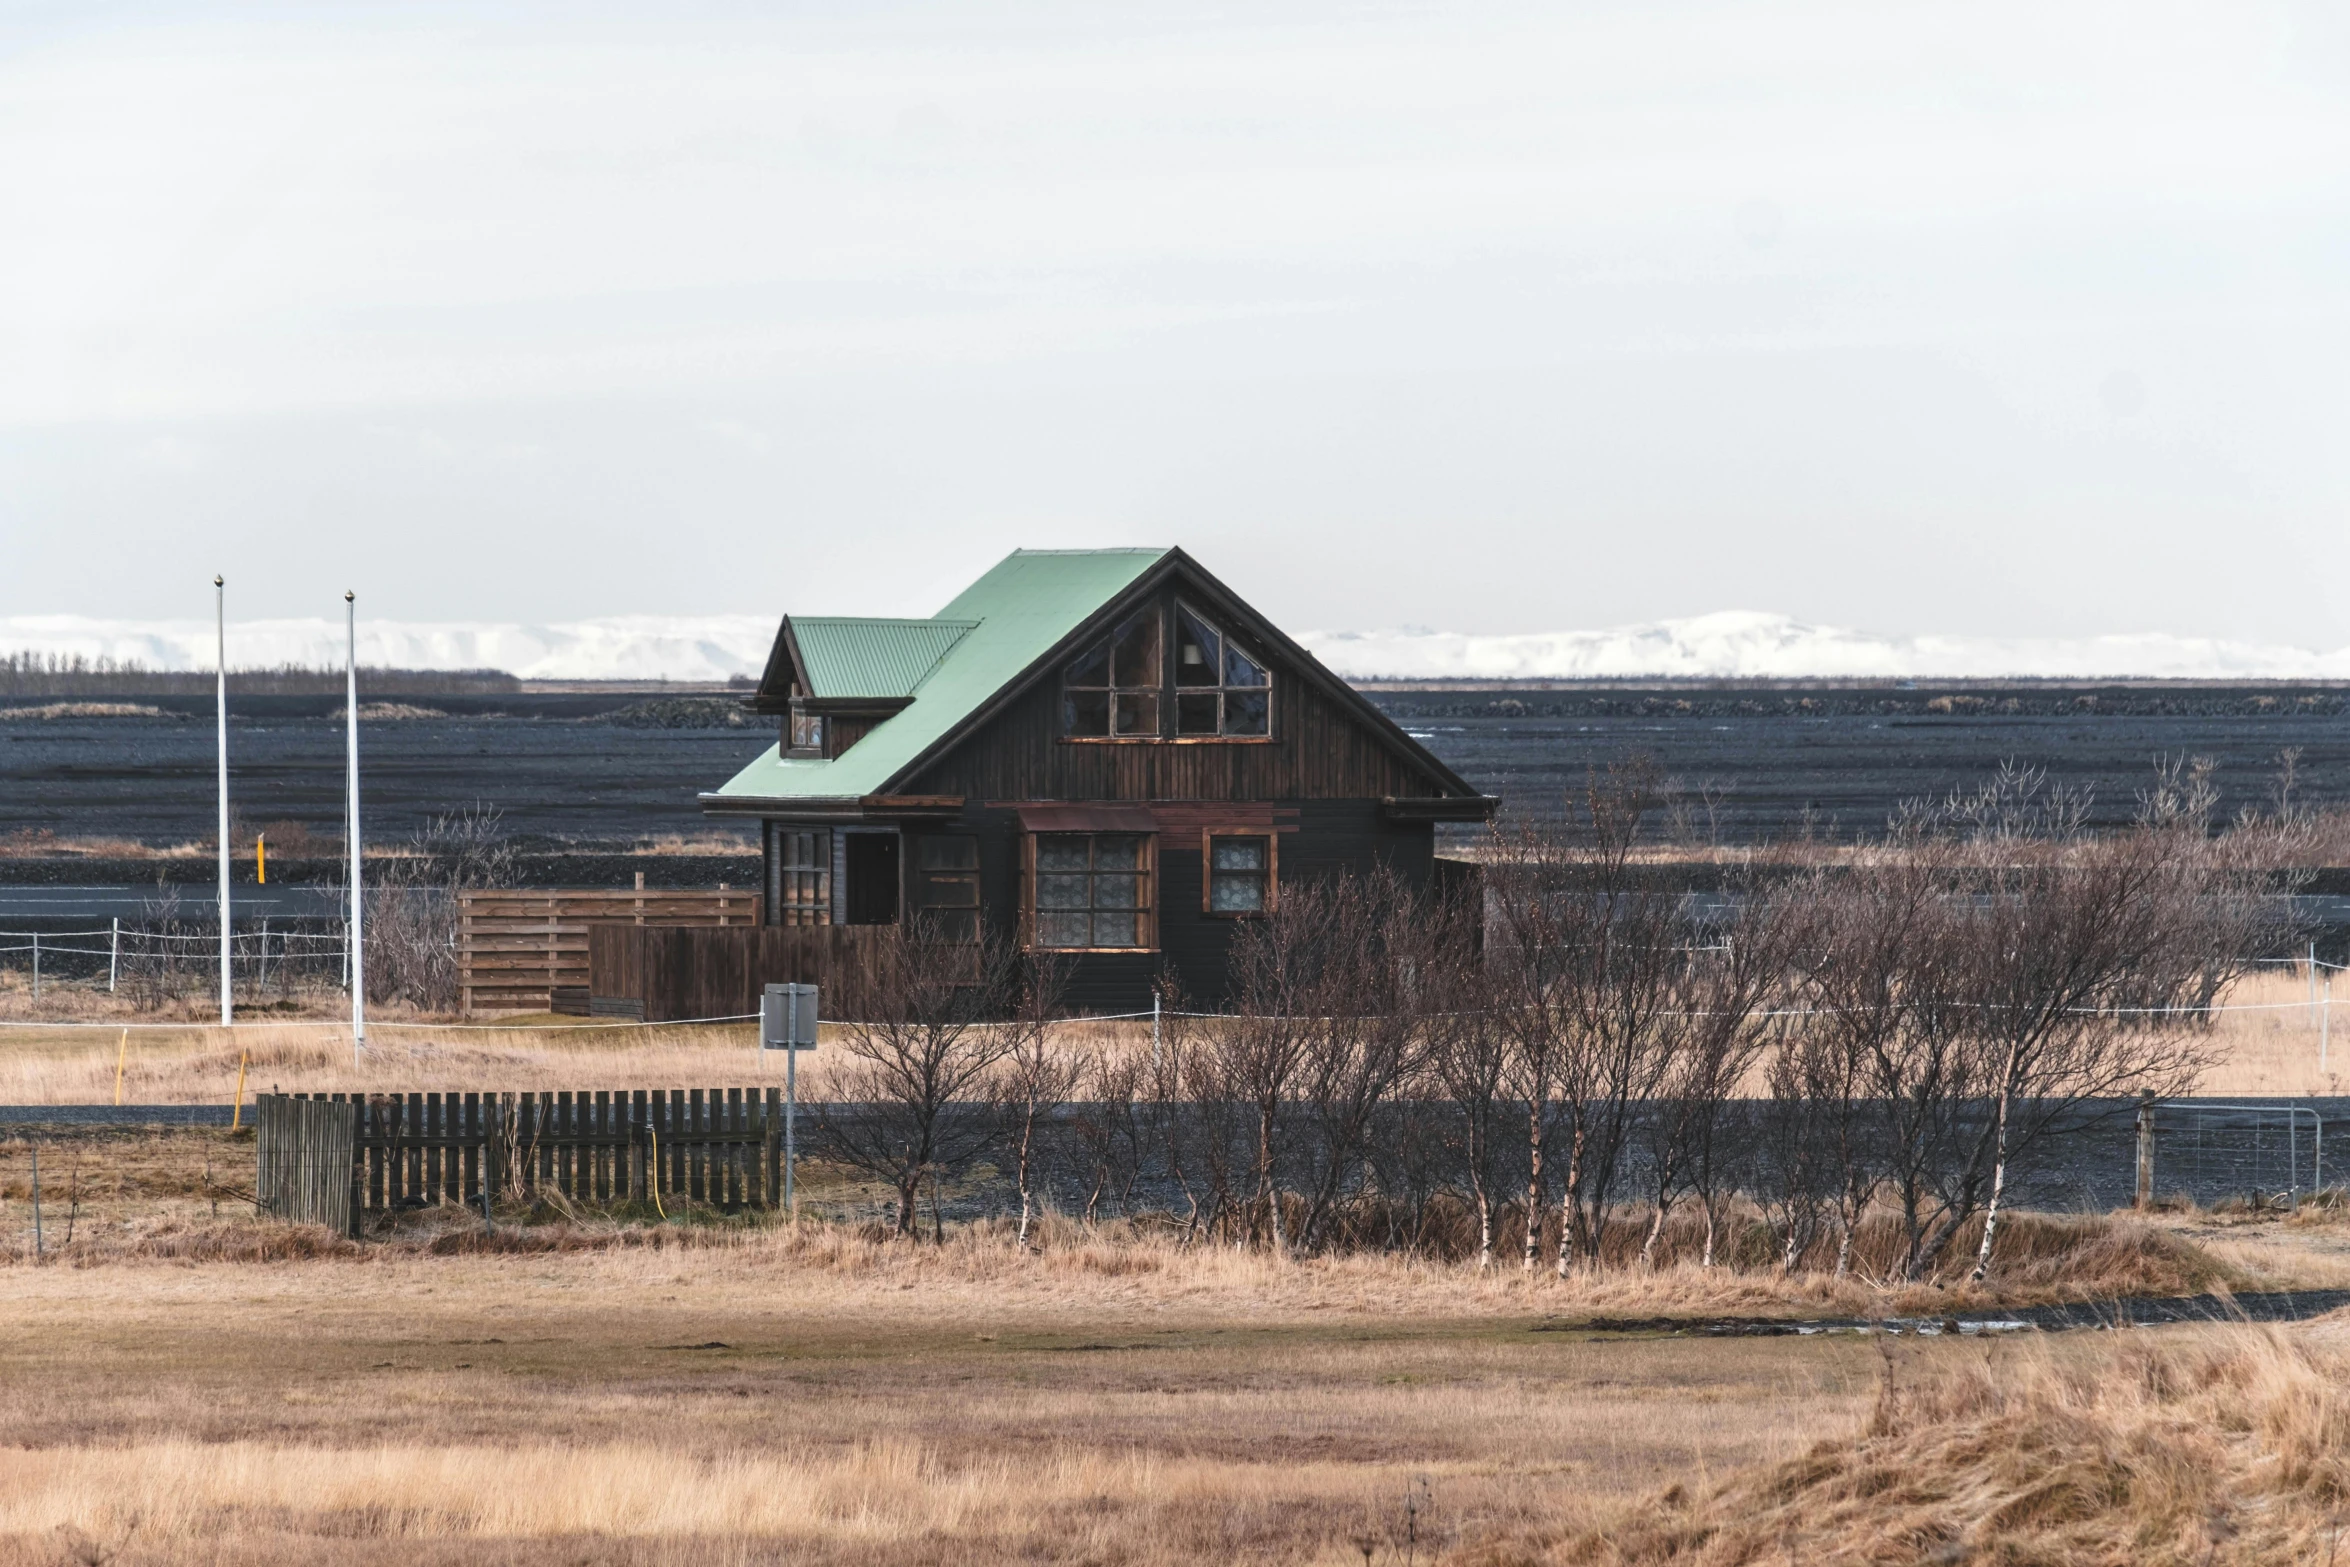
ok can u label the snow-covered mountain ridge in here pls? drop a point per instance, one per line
(1735, 643)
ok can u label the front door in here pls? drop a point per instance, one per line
(870, 878)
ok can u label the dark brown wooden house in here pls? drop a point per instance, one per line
(1103, 752)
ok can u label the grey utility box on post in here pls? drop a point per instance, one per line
(787, 1018)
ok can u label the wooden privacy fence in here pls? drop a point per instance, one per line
(304, 1162)
(660, 974)
(717, 1146)
(526, 950)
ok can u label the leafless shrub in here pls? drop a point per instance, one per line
(925, 1037)
(411, 926)
(1038, 1076)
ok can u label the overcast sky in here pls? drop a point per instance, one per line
(2005, 319)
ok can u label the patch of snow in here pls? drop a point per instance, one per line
(1732, 644)
(1754, 645)
(619, 647)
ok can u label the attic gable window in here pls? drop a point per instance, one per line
(1111, 690)
(1219, 689)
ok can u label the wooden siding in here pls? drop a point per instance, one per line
(665, 974)
(1319, 838)
(516, 948)
(842, 730)
(1319, 751)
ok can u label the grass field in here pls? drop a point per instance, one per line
(835, 1400)
(2269, 1046)
(183, 1384)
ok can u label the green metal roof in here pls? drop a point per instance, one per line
(887, 658)
(993, 631)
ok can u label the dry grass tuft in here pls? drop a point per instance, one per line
(2230, 1448)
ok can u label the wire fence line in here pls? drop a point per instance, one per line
(163, 961)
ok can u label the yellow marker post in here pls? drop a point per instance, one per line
(261, 859)
(121, 1056)
(657, 1208)
(236, 1110)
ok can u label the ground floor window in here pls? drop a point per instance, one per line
(946, 885)
(799, 880)
(1093, 890)
(1239, 873)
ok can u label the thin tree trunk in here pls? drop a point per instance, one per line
(1533, 1185)
(1998, 1189)
(1712, 1224)
(1266, 1190)
(1484, 1229)
(1656, 1227)
(1570, 1201)
(1027, 1137)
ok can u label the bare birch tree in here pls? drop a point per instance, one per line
(924, 1037)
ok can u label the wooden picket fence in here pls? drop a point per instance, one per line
(303, 1162)
(722, 1147)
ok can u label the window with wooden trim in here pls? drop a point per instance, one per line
(1091, 891)
(1238, 877)
(807, 731)
(946, 885)
(799, 888)
(1220, 690)
(1111, 690)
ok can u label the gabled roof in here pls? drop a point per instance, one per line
(842, 657)
(1000, 635)
(993, 631)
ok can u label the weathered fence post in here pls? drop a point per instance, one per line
(2145, 1152)
(36, 965)
(113, 952)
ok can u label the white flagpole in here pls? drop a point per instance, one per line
(220, 708)
(351, 818)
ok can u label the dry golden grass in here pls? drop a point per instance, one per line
(185, 1388)
(196, 1063)
(2197, 1449)
(2268, 1049)
(826, 1398)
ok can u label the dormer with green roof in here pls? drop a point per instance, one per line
(1101, 752)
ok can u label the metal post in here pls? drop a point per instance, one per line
(220, 709)
(2146, 1152)
(36, 965)
(787, 1022)
(356, 955)
(2325, 1021)
(2313, 977)
(113, 952)
(1154, 1036)
(37, 1248)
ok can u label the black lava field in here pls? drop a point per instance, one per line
(1757, 762)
